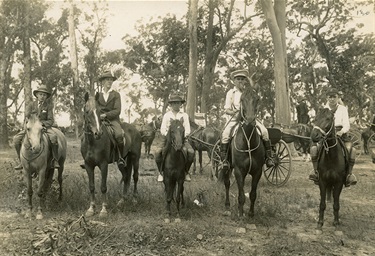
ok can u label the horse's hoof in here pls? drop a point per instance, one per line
(227, 213)
(103, 214)
(89, 213)
(177, 220)
(318, 231)
(166, 220)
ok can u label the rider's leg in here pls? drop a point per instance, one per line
(159, 157)
(55, 147)
(190, 157)
(350, 179)
(17, 141)
(314, 175)
(225, 138)
(267, 143)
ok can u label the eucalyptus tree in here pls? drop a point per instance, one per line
(339, 56)
(159, 54)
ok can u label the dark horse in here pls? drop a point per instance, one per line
(148, 134)
(247, 153)
(331, 163)
(174, 166)
(302, 140)
(97, 149)
(36, 159)
(366, 134)
(203, 139)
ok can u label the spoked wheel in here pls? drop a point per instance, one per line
(279, 174)
(355, 138)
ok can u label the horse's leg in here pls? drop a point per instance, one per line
(169, 189)
(91, 176)
(226, 179)
(253, 192)
(29, 193)
(60, 179)
(195, 163)
(42, 188)
(200, 161)
(336, 204)
(322, 206)
(329, 194)
(103, 188)
(179, 198)
(135, 163)
(240, 178)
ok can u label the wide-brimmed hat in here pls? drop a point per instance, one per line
(240, 73)
(42, 88)
(107, 74)
(175, 98)
(332, 91)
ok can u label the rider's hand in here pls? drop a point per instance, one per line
(339, 133)
(103, 116)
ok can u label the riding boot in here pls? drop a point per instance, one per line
(18, 150)
(224, 155)
(314, 175)
(121, 161)
(55, 150)
(269, 157)
(350, 179)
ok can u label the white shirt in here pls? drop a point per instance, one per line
(167, 122)
(106, 94)
(341, 117)
(233, 99)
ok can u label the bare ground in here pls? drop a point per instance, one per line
(284, 222)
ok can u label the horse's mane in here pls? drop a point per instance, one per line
(90, 104)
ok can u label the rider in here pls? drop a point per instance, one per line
(43, 107)
(109, 103)
(232, 105)
(302, 112)
(341, 120)
(175, 102)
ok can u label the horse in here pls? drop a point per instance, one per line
(247, 152)
(203, 139)
(331, 163)
(302, 141)
(148, 134)
(37, 161)
(97, 149)
(366, 134)
(175, 165)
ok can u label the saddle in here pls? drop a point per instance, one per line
(115, 144)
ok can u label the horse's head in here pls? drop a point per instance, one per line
(33, 128)
(176, 134)
(91, 116)
(324, 125)
(249, 105)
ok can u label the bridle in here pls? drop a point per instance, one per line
(329, 135)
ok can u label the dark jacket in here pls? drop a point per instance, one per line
(44, 112)
(112, 108)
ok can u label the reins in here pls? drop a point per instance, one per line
(326, 137)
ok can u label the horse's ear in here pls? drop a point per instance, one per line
(87, 96)
(96, 96)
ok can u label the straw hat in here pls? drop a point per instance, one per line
(42, 88)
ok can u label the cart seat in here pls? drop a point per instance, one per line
(275, 135)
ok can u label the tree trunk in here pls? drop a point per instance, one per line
(282, 101)
(74, 65)
(193, 59)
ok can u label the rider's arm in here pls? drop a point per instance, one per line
(116, 111)
(165, 124)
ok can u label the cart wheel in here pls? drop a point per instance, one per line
(215, 158)
(279, 174)
(355, 138)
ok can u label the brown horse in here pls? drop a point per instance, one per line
(148, 132)
(174, 166)
(97, 149)
(203, 139)
(331, 163)
(247, 153)
(36, 159)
